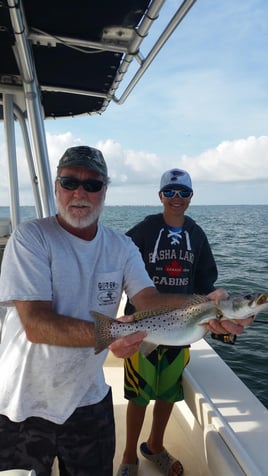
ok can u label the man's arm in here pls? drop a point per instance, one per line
(151, 298)
(43, 326)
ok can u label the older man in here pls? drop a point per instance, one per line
(54, 400)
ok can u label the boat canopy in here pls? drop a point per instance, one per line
(65, 59)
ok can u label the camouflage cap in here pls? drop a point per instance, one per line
(83, 156)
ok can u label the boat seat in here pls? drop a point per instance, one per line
(18, 472)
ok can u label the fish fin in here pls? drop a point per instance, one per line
(140, 315)
(190, 301)
(197, 299)
(102, 331)
(146, 348)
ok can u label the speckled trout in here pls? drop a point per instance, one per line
(181, 326)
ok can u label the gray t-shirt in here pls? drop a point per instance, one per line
(42, 261)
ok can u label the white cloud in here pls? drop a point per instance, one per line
(57, 144)
(130, 166)
(239, 160)
(135, 174)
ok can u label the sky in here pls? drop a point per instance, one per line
(201, 106)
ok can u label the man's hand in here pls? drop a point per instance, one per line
(218, 295)
(127, 346)
(229, 327)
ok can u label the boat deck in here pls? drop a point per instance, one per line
(220, 428)
(176, 441)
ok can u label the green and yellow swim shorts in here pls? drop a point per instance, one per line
(157, 376)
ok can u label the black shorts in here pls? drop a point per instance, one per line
(84, 444)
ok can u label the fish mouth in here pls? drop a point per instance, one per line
(256, 299)
(261, 299)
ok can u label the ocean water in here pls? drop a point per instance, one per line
(239, 239)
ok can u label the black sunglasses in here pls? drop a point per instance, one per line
(72, 183)
(170, 193)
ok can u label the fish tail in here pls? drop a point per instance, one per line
(102, 331)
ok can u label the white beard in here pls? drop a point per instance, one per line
(83, 221)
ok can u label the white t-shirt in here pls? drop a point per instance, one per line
(42, 261)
